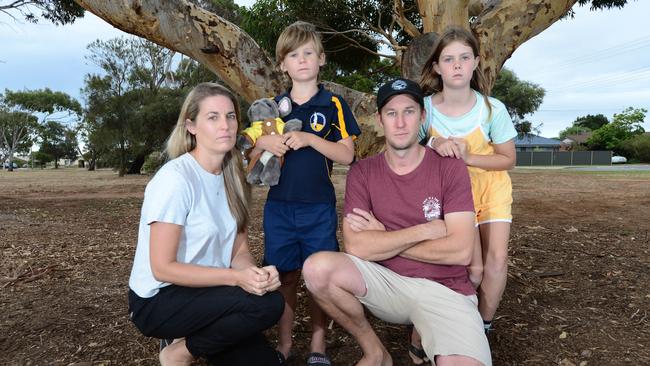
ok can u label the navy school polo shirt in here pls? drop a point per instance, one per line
(306, 173)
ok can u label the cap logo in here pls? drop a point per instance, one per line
(398, 85)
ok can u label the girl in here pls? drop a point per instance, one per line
(464, 123)
(193, 278)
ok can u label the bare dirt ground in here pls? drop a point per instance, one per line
(578, 290)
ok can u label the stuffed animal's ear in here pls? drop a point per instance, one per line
(284, 106)
(251, 110)
(271, 108)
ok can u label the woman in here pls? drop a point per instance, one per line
(193, 278)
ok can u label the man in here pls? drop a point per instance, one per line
(408, 235)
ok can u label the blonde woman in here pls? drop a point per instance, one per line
(194, 283)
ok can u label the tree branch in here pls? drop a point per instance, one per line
(354, 43)
(16, 4)
(208, 38)
(400, 18)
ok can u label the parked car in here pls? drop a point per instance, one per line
(618, 159)
(6, 165)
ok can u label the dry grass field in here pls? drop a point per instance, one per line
(578, 290)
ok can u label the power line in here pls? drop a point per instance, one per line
(622, 47)
(608, 81)
(564, 110)
(599, 55)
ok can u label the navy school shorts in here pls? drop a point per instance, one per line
(295, 230)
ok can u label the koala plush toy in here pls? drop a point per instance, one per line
(266, 119)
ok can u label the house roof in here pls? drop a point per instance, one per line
(580, 138)
(534, 140)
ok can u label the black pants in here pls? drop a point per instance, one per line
(223, 324)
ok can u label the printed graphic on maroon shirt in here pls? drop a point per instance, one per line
(438, 186)
(431, 208)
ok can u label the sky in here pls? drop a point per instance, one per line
(598, 62)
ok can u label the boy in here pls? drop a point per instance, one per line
(300, 212)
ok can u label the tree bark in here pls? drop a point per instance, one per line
(136, 164)
(438, 14)
(92, 163)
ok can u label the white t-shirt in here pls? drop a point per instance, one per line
(185, 194)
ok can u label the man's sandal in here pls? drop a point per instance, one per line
(318, 359)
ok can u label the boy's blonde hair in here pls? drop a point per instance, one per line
(294, 36)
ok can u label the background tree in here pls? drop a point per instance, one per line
(624, 126)
(573, 130)
(16, 130)
(56, 11)
(133, 104)
(637, 148)
(520, 97)
(41, 158)
(592, 122)
(45, 104)
(584, 124)
(57, 142)
(350, 51)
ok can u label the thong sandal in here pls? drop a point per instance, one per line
(318, 359)
(418, 356)
(282, 360)
(165, 342)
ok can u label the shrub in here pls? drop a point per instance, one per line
(637, 148)
(153, 161)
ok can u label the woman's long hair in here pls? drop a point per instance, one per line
(180, 141)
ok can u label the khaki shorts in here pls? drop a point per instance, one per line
(448, 322)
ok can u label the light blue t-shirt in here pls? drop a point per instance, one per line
(185, 194)
(498, 129)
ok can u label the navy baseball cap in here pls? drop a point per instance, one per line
(399, 86)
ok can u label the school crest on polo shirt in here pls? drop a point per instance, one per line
(431, 208)
(317, 121)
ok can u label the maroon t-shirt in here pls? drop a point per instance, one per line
(436, 187)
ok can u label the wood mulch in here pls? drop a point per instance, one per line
(578, 290)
